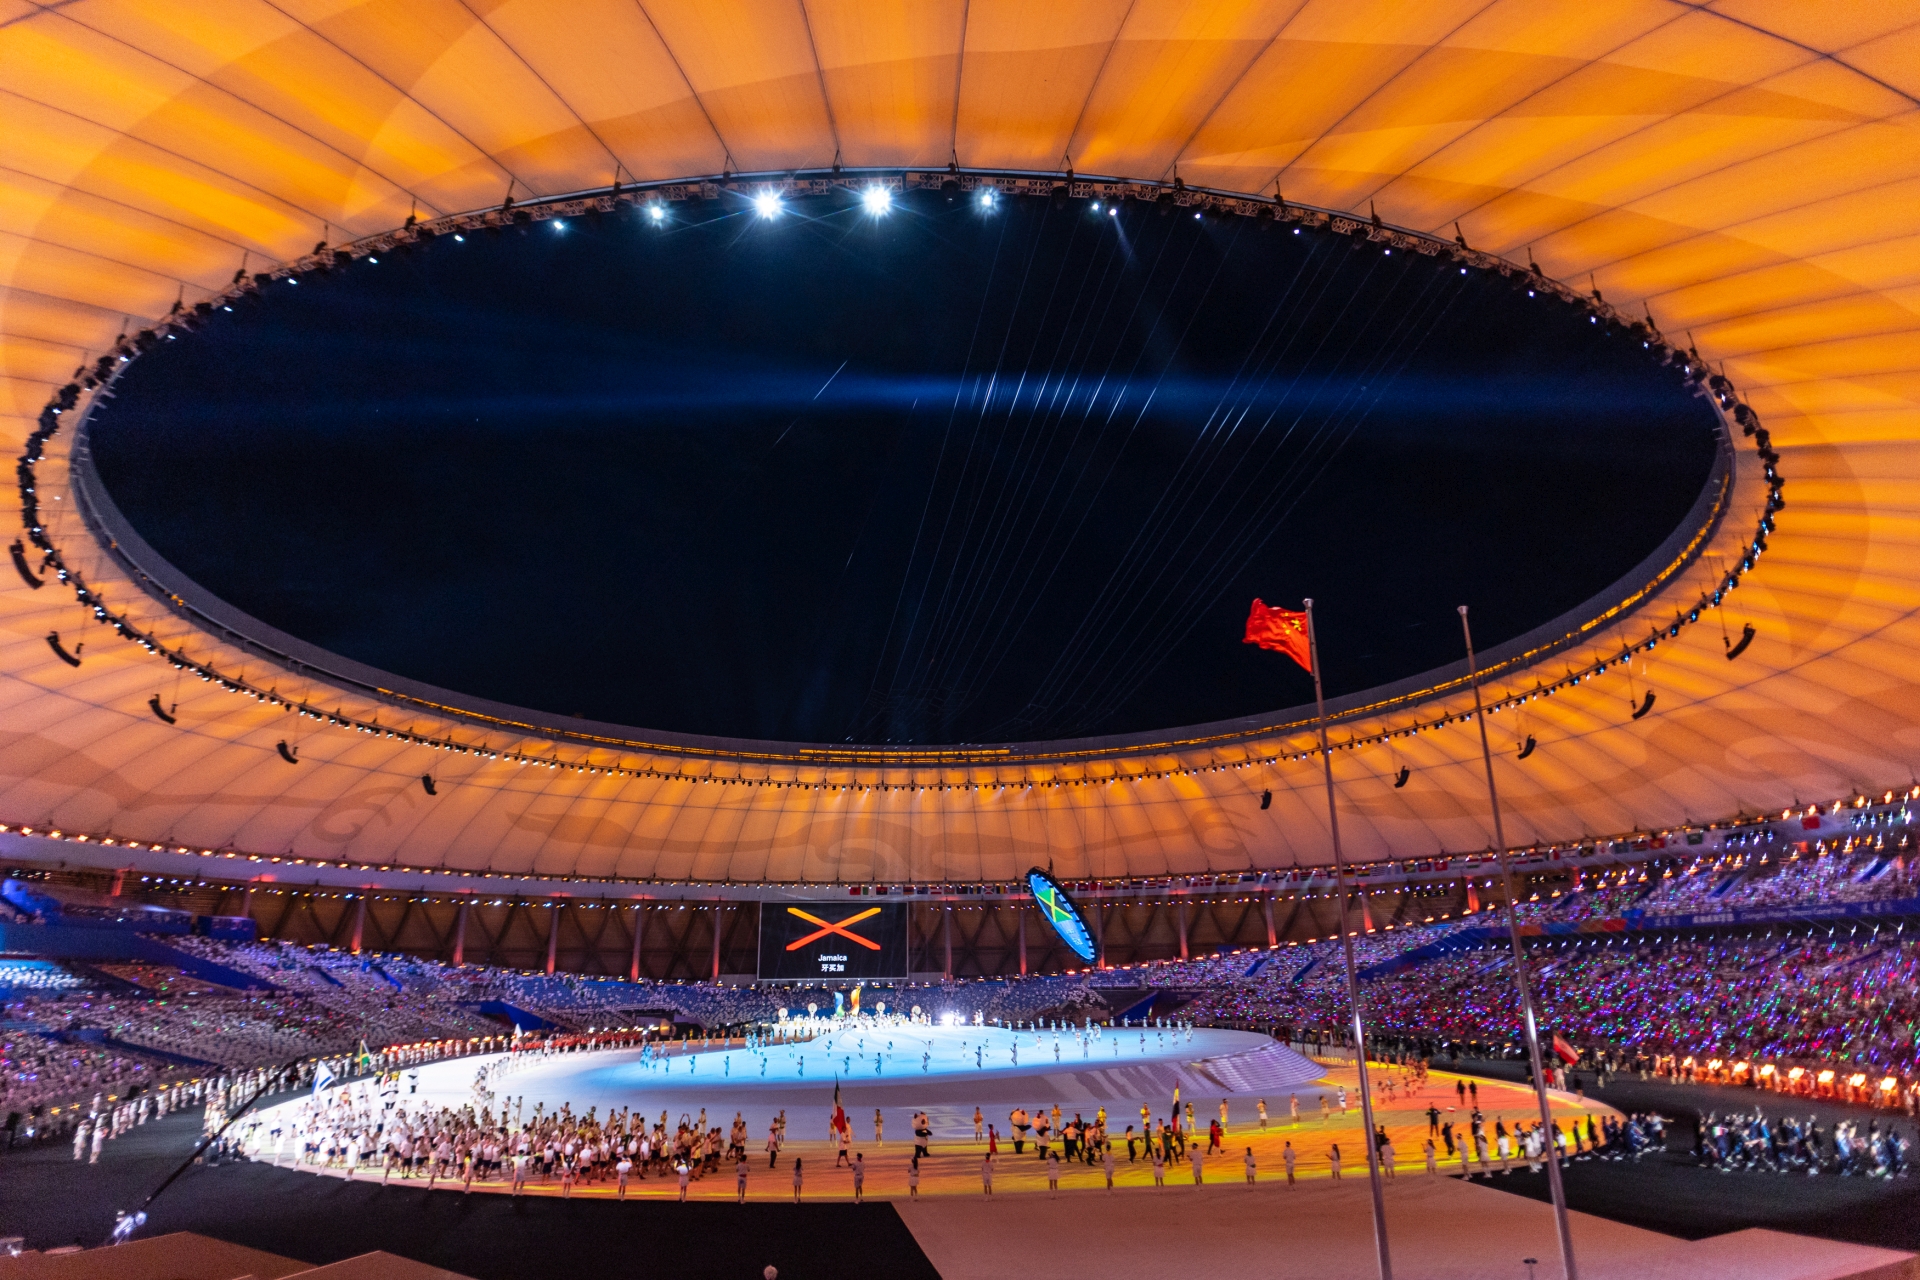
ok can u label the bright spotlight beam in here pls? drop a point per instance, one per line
(767, 205)
(877, 200)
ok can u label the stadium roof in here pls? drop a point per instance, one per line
(1748, 173)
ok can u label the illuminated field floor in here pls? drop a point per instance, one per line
(1235, 1067)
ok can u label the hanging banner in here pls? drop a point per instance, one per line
(1060, 912)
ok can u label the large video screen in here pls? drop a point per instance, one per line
(832, 941)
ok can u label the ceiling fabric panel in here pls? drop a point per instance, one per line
(462, 71)
(890, 73)
(1027, 75)
(607, 62)
(754, 69)
(1746, 173)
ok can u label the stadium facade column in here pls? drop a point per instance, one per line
(553, 933)
(639, 922)
(718, 909)
(946, 935)
(460, 933)
(359, 922)
(1180, 914)
(1266, 909)
(1100, 934)
(1020, 919)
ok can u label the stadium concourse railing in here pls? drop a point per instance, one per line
(1235, 739)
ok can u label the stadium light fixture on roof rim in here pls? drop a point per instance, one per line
(767, 204)
(877, 200)
(657, 211)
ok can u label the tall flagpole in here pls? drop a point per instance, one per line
(1353, 981)
(1520, 974)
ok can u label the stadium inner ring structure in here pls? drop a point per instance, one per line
(1604, 635)
(1780, 253)
(1714, 774)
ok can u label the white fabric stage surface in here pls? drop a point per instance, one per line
(945, 1071)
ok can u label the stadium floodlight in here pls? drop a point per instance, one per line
(988, 198)
(767, 205)
(657, 211)
(877, 200)
(559, 224)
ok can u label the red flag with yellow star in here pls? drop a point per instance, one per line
(1282, 630)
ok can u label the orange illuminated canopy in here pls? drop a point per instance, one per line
(1745, 178)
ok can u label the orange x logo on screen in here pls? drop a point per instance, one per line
(839, 927)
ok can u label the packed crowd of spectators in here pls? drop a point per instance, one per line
(1858, 877)
(35, 977)
(39, 1071)
(1765, 877)
(1814, 999)
(130, 1024)
(1842, 998)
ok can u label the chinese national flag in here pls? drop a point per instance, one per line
(1568, 1054)
(1282, 630)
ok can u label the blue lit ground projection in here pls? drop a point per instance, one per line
(901, 1067)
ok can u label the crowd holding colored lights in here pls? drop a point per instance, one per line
(1822, 1009)
(1843, 999)
(1816, 1011)
(1783, 1000)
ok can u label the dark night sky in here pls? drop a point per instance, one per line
(945, 475)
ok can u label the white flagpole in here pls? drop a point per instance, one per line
(1353, 981)
(1520, 974)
